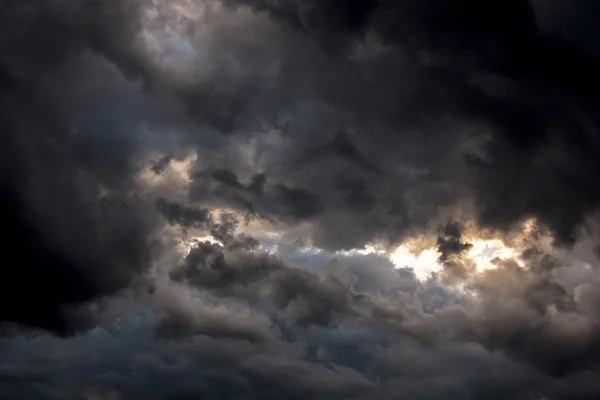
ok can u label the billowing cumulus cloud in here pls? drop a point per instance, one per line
(299, 199)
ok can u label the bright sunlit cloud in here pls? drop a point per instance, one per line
(485, 251)
(424, 263)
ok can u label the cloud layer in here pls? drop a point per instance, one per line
(206, 199)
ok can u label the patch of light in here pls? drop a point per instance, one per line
(528, 226)
(484, 252)
(368, 249)
(269, 248)
(309, 250)
(424, 263)
(186, 245)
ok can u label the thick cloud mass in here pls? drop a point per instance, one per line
(209, 199)
(74, 231)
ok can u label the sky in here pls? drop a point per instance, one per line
(304, 200)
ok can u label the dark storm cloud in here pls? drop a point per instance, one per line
(135, 367)
(299, 203)
(67, 241)
(450, 244)
(182, 315)
(186, 216)
(527, 314)
(351, 122)
(442, 106)
(308, 298)
(344, 364)
(339, 147)
(75, 227)
(451, 249)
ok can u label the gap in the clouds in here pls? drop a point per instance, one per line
(424, 263)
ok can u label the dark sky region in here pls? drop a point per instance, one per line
(300, 199)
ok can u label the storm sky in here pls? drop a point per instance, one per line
(300, 199)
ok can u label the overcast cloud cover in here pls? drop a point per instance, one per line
(278, 199)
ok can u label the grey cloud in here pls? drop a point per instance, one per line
(186, 216)
(182, 315)
(375, 275)
(299, 203)
(135, 366)
(450, 244)
(77, 129)
(526, 313)
(530, 316)
(77, 228)
(451, 249)
(343, 123)
(308, 298)
(430, 139)
(348, 365)
(339, 146)
(161, 163)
